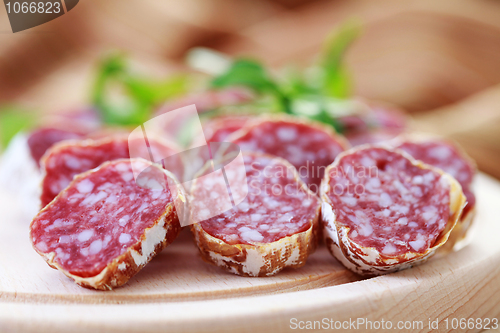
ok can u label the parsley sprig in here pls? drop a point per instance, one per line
(126, 98)
(315, 93)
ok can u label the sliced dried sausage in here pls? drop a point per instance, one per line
(383, 211)
(450, 158)
(42, 139)
(70, 158)
(274, 227)
(307, 146)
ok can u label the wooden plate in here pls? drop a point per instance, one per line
(179, 292)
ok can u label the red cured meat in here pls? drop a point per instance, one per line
(386, 209)
(451, 159)
(272, 228)
(215, 130)
(42, 139)
(448, 158)
(104, 227)
(310, 148)
(218, 129)
(68, 159)
(60, 126)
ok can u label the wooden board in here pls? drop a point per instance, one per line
(179, 292)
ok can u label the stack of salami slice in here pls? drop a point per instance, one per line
(380, 207)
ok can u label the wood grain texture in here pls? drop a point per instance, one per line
(178, 292)
(419, 54)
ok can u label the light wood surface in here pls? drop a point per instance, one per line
(178, 292)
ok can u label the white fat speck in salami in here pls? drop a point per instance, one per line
(373, 232)
(93, 239)
(308, 147)
(269, 226)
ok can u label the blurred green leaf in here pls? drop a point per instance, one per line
(109, 70)
(248, 73)
(315, 107)
(336, 81)
(155, 92)
(294, 84)
(124, 98)
(253, 75)
(339, 84)
(12, 121)
(313, 93)
(326, 118)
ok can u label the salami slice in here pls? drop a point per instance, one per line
(451, 159)
(383, 211)
(70, 158)
(42, 139)
(104, 227)
(60, 126)
(274, 227)
(309, 147)
(218, 129)
(371, 123)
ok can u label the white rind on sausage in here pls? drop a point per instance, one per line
(153, 237)
(258, 259)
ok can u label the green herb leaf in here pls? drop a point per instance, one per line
(247, 73)
(154, 92)
(315, 107)
(127, 99)
(12, 121)
(252, 74)
(336, 81)
(295, 85)
(310, 93)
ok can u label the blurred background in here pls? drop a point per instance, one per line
(438, 60)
